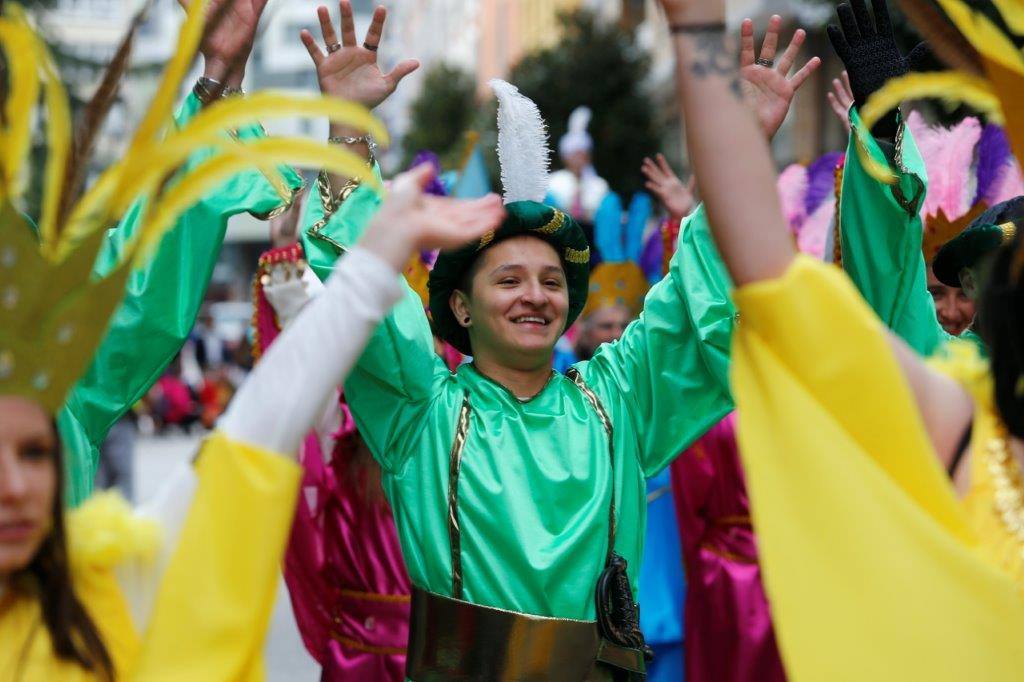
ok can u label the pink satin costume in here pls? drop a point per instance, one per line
(344, 569)
(728, 628)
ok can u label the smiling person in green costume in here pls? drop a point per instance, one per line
(162, 297)
(514, 488)
(519, 493)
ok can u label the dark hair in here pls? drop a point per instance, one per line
(466, 280)
(466, 284)
(72, 632)
(1001, 316)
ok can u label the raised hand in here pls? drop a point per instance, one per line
(676, 197)
(841, 98)
(348, 70)
(868, 50)
(867, 47)
(228, 38)
(767, 83)
(410, 220)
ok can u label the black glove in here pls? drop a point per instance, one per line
(868, 50)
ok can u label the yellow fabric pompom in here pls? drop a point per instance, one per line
(962, 362)
(105, 531)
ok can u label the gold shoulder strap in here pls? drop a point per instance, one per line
(606, 421)
(454, 463)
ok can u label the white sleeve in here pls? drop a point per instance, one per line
(140, 580)
(286, 392)
(293, 389)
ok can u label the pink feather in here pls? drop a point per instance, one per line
(948, 155)
(813, 234)
(792, 186)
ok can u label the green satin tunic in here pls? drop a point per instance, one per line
(162, 300)
(882, 232)
(535, 478)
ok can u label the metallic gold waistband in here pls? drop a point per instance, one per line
(451, 639)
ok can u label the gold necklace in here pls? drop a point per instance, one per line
(1006, 479)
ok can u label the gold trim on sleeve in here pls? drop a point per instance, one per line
(454, 464)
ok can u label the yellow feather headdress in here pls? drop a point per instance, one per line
(998, 92)
(52, 312)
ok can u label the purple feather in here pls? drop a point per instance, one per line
(993, 153)
(821, 180)
(651, 257)
(435, 186)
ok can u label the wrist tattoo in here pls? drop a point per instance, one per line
(714, 58)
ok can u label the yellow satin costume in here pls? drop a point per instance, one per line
(215, 597)
(874, 569)
(995, 500)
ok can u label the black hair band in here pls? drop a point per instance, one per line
(707, 27)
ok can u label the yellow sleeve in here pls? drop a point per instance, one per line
(869, 563)
(216, 597)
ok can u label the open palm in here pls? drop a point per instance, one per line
(230, 31)
(433, 222)
(841, 98)
(349, 70)
(770, 89)
(662, 181)
(411, 220)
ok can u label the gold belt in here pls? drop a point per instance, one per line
(450, 639)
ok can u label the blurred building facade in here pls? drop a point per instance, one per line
(432, 31)
(483, 37)
(486, 38)
(85, 34)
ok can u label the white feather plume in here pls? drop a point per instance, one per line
(523, 152)
(579, 119)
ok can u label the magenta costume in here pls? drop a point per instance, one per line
(728, 628)
(344, 570)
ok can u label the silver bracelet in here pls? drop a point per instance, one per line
(366, 139)
(206, 87)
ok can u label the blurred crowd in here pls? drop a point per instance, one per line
(188, 398)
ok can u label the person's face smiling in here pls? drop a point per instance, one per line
(954, 309)
(518, 302)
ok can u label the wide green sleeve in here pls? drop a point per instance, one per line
(395, 380)
(162, 300)
(881, 232)
(670, 368)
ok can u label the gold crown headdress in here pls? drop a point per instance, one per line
(617, 284)
(938, 229)
(52, 312)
